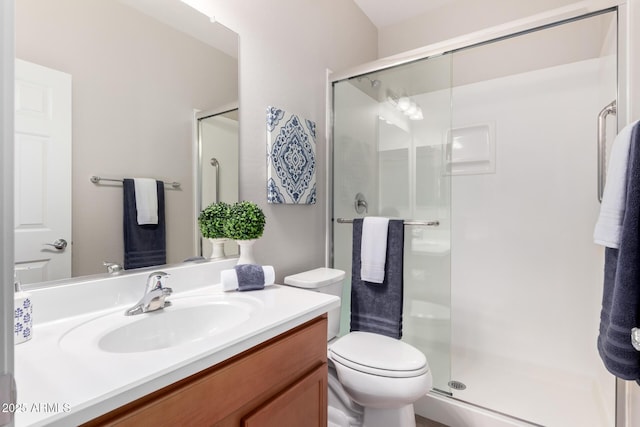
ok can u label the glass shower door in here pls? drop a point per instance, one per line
(526, 276)
(497, 142)
(389, 152)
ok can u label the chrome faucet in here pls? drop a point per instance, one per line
(154, 295)
(112, 267)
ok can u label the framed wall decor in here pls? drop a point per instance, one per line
(291, 158)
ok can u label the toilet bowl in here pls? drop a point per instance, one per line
(342, 411)
(378, 371)
(373, 379)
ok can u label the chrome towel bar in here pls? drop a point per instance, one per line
(602, 145)
(97, 179)
(406, 222)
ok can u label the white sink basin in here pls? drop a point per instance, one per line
(186, 320)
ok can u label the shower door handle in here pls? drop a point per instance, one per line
(602, 145)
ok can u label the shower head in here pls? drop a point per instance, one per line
(375, 83)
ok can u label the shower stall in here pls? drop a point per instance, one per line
(489, 153)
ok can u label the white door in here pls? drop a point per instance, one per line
(42, 173)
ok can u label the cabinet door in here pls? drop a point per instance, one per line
(302, 404)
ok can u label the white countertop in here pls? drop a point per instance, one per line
(61, 386)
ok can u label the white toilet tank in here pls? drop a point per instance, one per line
(326, 281)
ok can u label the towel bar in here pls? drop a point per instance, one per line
(406, 222)
(97, 179)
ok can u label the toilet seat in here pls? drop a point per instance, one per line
(378, 355)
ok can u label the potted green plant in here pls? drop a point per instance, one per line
(245, 224)
(212, 220)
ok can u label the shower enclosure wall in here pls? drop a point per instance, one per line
(496, 142)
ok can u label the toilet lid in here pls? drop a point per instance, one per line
(317, 278)
(378, 355)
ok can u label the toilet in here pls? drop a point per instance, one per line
(373, 379)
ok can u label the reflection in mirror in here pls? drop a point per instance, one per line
(136, 70)
(218, 162)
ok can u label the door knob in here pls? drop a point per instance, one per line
(59, 244)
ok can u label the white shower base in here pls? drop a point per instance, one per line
(455, 413)
(537, 394)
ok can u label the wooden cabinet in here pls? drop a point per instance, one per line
(303, 404)
(282, 382)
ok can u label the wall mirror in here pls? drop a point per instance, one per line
(130, 74)
(218, 162)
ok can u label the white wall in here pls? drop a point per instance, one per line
(135, 84)
(286, 47)
(456, 18)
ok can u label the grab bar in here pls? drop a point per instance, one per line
(216, 164)
(602, 145)
(406, 222)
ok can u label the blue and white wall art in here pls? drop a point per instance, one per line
(291, 158)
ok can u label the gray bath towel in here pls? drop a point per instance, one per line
(621, 293)
(378, 307)
(250, 277)
(144, 245)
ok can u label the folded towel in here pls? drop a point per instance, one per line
(607, 229)
(373, 249)
(621, 290)
(144, 245)
(378, 309)
(247, 277)
(146, 200)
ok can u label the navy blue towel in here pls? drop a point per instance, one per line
(250, 277)
(621, 293)
(377, 307)
(144, 245)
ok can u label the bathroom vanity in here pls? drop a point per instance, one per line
(282, 382)
(212, 358)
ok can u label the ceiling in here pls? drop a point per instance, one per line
(382, 13)
(385, 12)
(183, 17)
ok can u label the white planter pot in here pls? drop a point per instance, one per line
(246, 251)
(218, 248)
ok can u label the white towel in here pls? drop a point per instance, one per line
(229, 278)
(609, 224)
(373, 249)
(146, 200)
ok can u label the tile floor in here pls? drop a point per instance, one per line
(423, 422)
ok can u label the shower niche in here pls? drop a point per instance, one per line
(472, 149)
